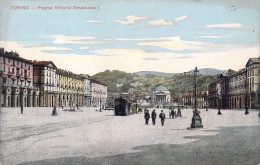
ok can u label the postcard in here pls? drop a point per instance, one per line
(129, 82)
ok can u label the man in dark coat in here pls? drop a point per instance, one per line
(162, 116)
(172, 113)
(146, 117)
(21, 109)
(154, 116)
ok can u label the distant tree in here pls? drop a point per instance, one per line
(231, 72)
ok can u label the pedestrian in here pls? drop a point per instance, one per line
(179, 112)
(54, 112)
(146, 117)
(247, 112)
(154, 116)
(162, 116)
(21, 109)
(172, 113)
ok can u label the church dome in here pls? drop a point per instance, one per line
(161, 88)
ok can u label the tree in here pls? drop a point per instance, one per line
(231, 72)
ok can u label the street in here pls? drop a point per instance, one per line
(91, 137)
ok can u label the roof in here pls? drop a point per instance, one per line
(161, 88)
(44, 63)
(13, 55)
(97, 82)
(253, 60)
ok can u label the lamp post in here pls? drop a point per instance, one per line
(196, 119)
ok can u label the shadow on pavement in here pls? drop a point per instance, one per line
(232, 145)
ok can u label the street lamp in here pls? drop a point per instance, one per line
(196, 119)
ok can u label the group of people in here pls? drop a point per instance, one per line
(174, 114)
(147, 116)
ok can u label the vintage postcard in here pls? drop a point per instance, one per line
(136, 82)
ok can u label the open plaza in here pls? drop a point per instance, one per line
(87, 136)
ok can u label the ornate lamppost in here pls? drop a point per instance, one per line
(196, 119)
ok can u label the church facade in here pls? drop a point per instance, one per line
(161, 95)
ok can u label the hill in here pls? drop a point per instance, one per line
(153, 73)
(119, 81)
(211, 71)
(203, 71)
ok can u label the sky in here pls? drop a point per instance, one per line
(171, 36)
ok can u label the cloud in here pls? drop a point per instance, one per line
(224, 26)
(160, 23)
(84, 48)
(131, 20)
(150, 59)
(174, 44)
(132, 60)
(215, 37)
(163, 22)
(138, 39)
(180, 18)
(91, 21)
(61, 39)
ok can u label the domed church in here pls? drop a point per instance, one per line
(161, 94)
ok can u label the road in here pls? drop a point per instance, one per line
(91, 137)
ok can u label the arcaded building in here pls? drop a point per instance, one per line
(70, 88)
(98, 93)
(17, 80)
(44, 75)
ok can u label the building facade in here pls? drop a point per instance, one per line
(218, 92)
(237, 90)
(189, 100)
(87, 90)
(70, 88)
(161, 95)
(17, 80)
(44, 79)
(253, 73)
(98, 93)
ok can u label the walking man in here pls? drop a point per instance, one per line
(172, 113)
(162, 116)
(21, 109)
(154, 116)
(147, 117)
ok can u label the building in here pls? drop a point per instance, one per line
(44, 79)
(218, 92)
(161, 95)
(17, 80)
(189, 100)
(253, 73)
(237, 90)
(1, 74)
(70, 88)
(87, 90)
(98, 93)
